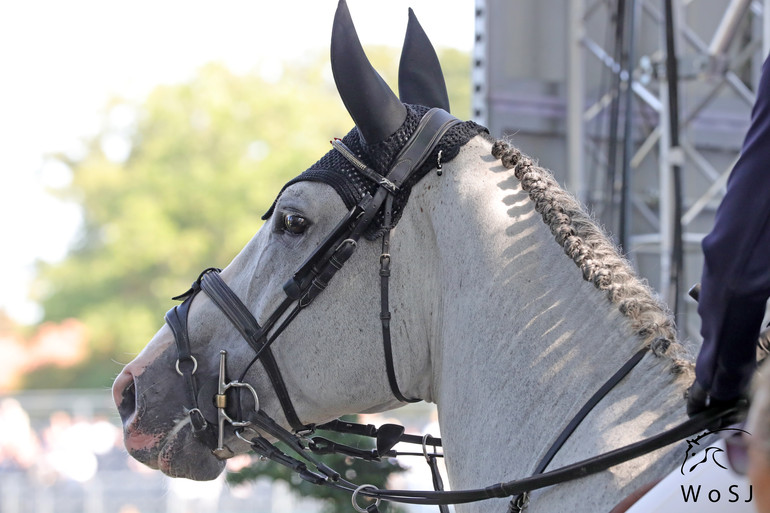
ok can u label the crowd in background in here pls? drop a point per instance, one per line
(61, 462)
(67, 463)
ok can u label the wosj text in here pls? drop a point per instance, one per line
(734, 493)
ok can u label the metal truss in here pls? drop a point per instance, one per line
(656, 220)
(479, 69)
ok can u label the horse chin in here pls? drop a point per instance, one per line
(177, 454)
(181, 455)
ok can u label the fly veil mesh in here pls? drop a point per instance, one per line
(335, 170)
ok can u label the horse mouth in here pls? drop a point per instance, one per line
(176, 453)
(166, 446)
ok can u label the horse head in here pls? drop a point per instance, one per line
(326, 354)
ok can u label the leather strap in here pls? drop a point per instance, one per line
(372, 431)
(519, 502)
(186, 366)
(385, 315)
(239, 315)
(577, 470)
(412, 156)
(294, 286)
(438, 483)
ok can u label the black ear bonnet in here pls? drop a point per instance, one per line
(335, 170)
(384, 122)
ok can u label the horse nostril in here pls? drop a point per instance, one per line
(127, 405)
(125, 395)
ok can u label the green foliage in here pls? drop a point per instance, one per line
(207, 158)
(92, 373)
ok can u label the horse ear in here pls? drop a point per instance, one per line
(420, 79)
(375, 109)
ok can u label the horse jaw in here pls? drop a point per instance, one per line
(183, 456)
(331, 355)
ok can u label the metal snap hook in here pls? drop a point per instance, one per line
(425, 447)
(238, 432)
(354, 499)
(519, 503)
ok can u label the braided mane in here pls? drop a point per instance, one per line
(596, 256)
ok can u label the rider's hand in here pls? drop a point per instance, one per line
(699, 400)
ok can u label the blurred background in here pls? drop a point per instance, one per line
(141, 142)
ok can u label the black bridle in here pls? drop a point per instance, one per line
(310, 279)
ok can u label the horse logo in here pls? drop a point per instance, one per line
(709, 453)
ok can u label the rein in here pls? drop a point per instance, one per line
(583, 468)
(388, 435)
(312, 278)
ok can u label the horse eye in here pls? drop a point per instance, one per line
(295, 223)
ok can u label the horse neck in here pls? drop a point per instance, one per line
(523, 337)
(508, 289)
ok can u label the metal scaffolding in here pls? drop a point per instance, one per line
(649, 155)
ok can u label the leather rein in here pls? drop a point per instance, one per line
(310, 279)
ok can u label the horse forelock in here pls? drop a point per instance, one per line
(601, 264)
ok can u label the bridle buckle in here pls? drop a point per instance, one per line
(519, 503)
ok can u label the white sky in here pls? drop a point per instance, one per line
(60, 61)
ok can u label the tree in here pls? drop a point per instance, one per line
(206, 160)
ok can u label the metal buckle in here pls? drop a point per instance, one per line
(388, 185)
(519, 503)
(220, 401)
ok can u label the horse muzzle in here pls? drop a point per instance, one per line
(161, 442)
